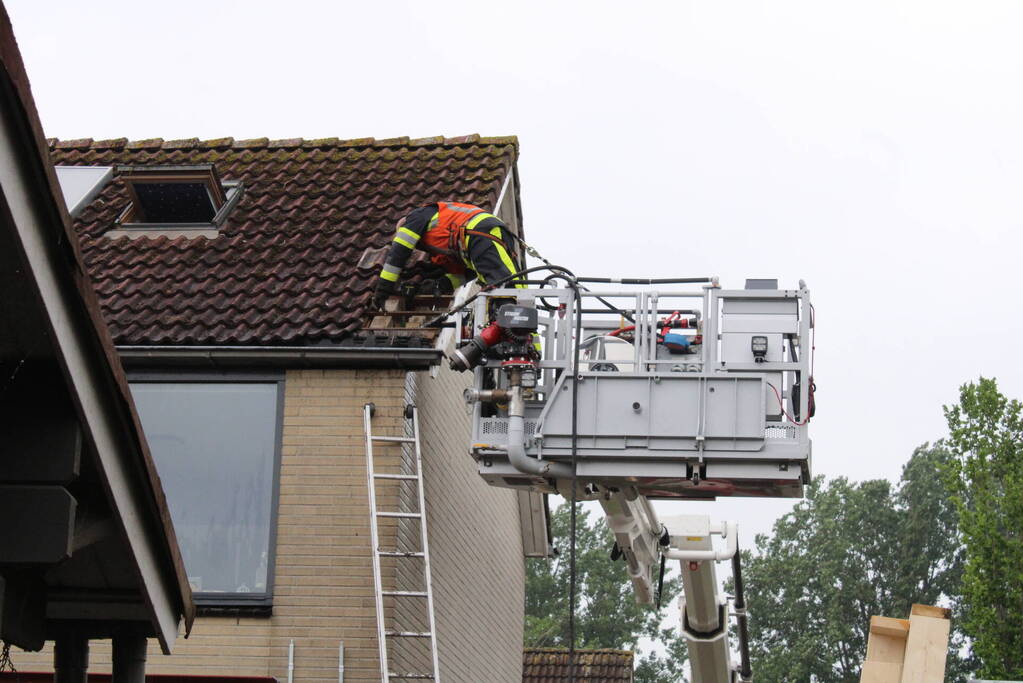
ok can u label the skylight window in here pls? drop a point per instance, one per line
(176, 197)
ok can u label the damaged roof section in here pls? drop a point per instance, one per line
(295, 260)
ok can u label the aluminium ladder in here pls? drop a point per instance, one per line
(386, 674)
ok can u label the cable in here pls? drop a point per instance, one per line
(494, 285)
(784, 412)
(575, 439)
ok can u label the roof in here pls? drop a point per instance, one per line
(52, 323)
(285, 267)
(550, 665)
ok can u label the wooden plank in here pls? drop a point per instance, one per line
(880, 672)
(41, 448)
(931, 611)
(886, 647)
(887, 626)
(23, 610)
(38, 524)
(926, 647)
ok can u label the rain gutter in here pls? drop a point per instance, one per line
(281, 356)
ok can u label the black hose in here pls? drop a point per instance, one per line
(575, 438)
(493, 285)
(741, 618)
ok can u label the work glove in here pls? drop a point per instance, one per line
(384, 290)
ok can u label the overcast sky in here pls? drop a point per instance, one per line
(874, 149)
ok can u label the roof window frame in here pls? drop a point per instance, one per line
(224, 195)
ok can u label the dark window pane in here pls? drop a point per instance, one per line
(174, 203)
(214, 446)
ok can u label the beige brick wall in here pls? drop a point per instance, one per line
(323, 587)
(476, 544)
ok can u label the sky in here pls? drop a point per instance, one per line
(873, 149)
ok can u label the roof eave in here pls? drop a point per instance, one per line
(82, 344)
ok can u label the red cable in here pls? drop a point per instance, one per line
(781, 404)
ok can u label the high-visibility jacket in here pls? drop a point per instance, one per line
(451, 232)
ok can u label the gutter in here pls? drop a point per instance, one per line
(281, 356)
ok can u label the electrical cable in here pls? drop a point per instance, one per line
(781, 405)
(575, 439)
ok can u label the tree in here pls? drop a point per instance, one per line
(845, 553)
(985, 478)
(607, 615)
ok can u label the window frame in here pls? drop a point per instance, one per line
(224, 194)
(251, 604)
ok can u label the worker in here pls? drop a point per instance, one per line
(463, 239)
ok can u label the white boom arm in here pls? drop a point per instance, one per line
(642, 538)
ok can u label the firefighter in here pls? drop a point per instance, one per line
(464, 240)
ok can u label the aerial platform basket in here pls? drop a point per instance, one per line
(680, 394)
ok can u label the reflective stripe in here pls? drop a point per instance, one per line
(455, 279)
(473, 222)
(388, 268)
(389, 276)
(433, 221)
(464, 209)
(414, 236)
(505, 257)
(404, 243)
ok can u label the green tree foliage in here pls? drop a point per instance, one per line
(845, 553)
(607, 615)
(985, 477)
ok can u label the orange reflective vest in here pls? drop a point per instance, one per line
(444, 236)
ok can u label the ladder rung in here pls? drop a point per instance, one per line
(396, 476)
(422, 677)
(394, 439)
(414, 515)
(400, 553)
(409, 634)
(405, 594)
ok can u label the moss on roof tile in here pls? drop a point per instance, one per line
(151, 143)
(113, 143)
(253, 142)
(217, 143)
(80, 143)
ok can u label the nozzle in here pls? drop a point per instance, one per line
(467, 356)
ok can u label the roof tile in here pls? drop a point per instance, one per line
(151, 143)
(551, 665)
(284, 268)
(81, 143)
(114, 143)
(187, 143)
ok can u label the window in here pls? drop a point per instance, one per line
(216, 445)
(176, 196)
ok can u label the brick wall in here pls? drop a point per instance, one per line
(323, 588)
(476, 544)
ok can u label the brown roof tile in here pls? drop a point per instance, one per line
(550, 665)
(283, 270)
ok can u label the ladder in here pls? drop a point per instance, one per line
(422, 553)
